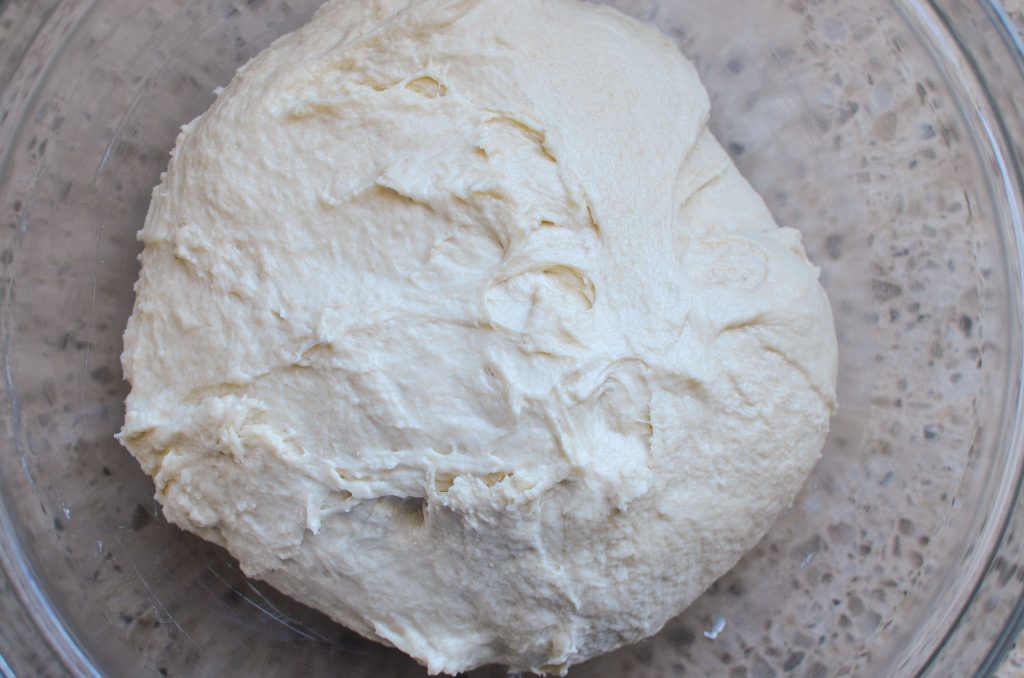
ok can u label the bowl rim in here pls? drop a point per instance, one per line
(1009, 144)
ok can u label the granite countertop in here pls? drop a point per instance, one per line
(1013, 666)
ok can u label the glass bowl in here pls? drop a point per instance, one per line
(888, 131)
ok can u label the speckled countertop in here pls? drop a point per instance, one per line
(1013, 667)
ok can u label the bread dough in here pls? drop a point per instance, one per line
(456, 323)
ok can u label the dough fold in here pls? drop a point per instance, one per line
(456, 323)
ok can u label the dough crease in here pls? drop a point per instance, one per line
(456, 323)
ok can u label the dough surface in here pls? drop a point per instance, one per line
(456, 323)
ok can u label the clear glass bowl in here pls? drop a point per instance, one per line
(887, 131)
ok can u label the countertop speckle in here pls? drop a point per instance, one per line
(1013, 667)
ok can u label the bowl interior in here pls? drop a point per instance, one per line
(838, 112)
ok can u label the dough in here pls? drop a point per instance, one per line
(456, 323)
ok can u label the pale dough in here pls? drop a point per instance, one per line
(456, 323)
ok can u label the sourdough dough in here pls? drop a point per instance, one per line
(456, 323)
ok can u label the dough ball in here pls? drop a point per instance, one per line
(456, 323)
